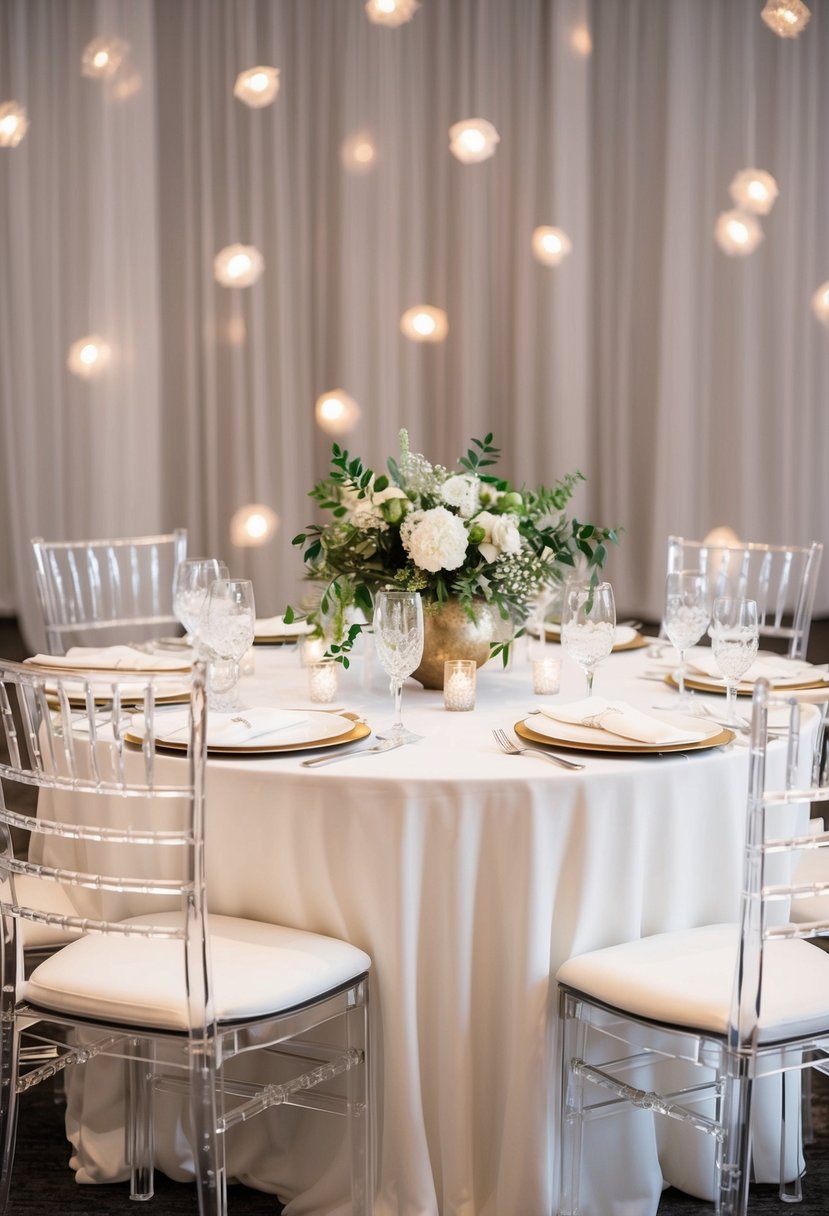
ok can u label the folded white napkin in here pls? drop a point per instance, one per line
(225, 729)
(618, 718)
(111, 658)
(275, 627)
(776, 668)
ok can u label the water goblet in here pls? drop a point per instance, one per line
(735, 637)
(192, 579)
(687, 613)
(225, 633)
(398, 641)
(588, 625)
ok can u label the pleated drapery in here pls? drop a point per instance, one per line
(691, 388)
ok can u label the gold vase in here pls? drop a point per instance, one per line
(450, 634)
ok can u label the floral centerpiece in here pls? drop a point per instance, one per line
(464, 535)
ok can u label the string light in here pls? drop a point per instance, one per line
(786, 17)
(423, 323)
(102, 57)
(13, 124)
(754, 190)
(253, 524)
(391, 12)
(737, 232)
(257, 87)
(358, 153)
(473, 140)
(336, 412)
(820, 303)
(551, 245)
(238, 265)
(88, 357)
(580, 41)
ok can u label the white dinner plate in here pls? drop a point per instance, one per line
(572, 734)
(320, 729)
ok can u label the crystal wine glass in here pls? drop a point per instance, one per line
(687, 614)
(398, 640)
(225, 633)
(192, 579)
(735, 637)
(588, 625)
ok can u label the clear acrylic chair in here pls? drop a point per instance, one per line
(781, 578)
(734, 1002)
(153, 980)
(101, 592)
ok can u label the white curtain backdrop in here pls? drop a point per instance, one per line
(690, 388)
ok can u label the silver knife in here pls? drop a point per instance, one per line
(387, 745)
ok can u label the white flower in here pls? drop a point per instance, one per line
(461, 492)
(501, 535)
(435, 540)
(366, 513)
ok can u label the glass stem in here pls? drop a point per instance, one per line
(730, 708)
(397, 691)
(681, 676)
(589, 673)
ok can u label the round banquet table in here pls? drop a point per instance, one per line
(469, 876)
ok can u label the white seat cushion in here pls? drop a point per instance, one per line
(686, 979)
(257, 969)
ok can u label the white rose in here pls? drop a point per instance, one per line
(501, 535)
(435, 540)
(505, 535)
(461, 492)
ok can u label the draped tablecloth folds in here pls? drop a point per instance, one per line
(469, 876)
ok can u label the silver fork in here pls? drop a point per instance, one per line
(512, 749)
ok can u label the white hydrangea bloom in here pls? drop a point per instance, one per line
(435, 539)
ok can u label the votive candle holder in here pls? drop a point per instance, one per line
(546, 676)
(459, 676)
(322, 682)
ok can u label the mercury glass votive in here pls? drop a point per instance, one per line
(459, 677)
(546, 676)
(322, 682)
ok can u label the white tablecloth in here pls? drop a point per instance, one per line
(468, 876)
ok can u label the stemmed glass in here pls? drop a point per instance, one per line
(398, 640)
(588, 625)
(687, 614)
(735, 637)
(224, 636)
(192, 579)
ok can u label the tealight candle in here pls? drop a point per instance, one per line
(322, 681)
(459, 684)
(546, 676)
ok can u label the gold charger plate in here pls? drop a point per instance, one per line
(359, 730)
(635, 643)
(702, 684)
(281, 640)
(720, 739)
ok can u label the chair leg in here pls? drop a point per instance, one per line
(360, 1108)
(734, 1151)
(790, 1132)
(140, 1122)
(208, 1143)
(9, 1054)
(573, 1032)
(806, 1116)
